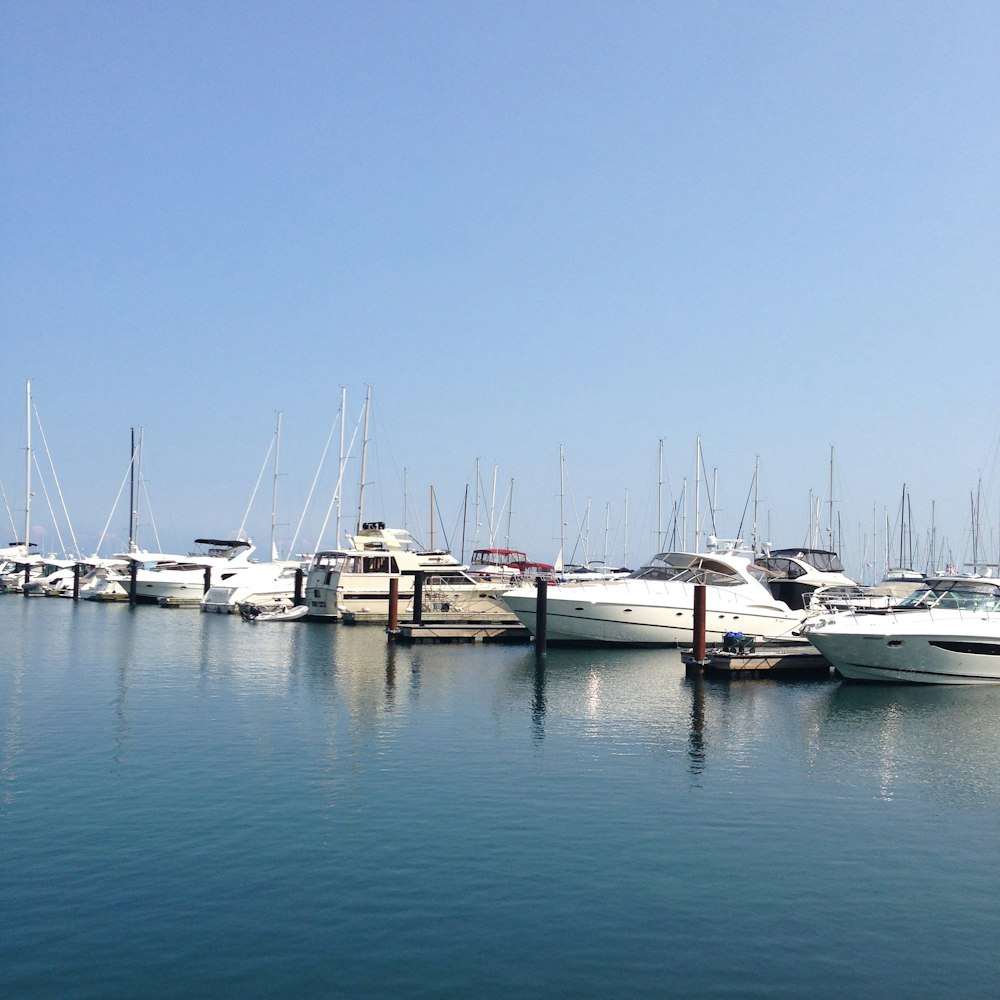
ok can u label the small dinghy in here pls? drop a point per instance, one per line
(256, 613)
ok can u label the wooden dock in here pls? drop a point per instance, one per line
(801, 662)
(458, 631)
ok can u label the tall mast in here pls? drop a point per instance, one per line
(510, 513)
(562, 520)
(340, 462)
(829, 520)
(659, 499)
(697, 492)
(274, 490)
(607, 530)
(625, 532)
(475, 506)
(756, 502)
(27, 468)
(364, 461)
(131, 494)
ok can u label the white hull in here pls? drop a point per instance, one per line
(155, 588)
(355, 582)
(367, 599)
(942, 647)
(270, 585)
(644, 615)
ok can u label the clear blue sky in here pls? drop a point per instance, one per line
(524, 225)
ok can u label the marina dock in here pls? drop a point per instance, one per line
(468, 631)
(799, 662)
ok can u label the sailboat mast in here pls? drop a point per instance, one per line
(659, 499)
(27, 467)
(274, 490)
(340, 462)
(625, 531)
(510, 513)
(562, 519)
(697, 493)
(131, 496)
(829, 520)
(756, 502)
(364, 461)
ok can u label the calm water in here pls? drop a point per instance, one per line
(194, 806)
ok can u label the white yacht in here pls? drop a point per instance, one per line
(354, 582)
(268, 585)
(654, 606)
(947, 632)
(161, 578)
(14, 559)
(505, 564)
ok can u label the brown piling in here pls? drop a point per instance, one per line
(541, 615)
(418, 597)
(393, 604)
(697, 662)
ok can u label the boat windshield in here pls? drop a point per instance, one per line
(678, 567)
(969, 595)
(821, 559)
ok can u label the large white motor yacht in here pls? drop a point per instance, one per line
(655, 605)
(354, 582)
(267, 584)
(162, 578)
(948, 632)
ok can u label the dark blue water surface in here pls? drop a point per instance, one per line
(191, 805)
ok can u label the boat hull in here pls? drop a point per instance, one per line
(948, 652)
(604, 614)
(915, 659)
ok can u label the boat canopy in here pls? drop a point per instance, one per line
(687, 567)
(782, 559)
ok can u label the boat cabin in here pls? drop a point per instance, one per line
(793, 575)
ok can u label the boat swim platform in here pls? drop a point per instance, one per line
(799, 662)
(459, 631)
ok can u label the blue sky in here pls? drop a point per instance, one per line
(773, 226)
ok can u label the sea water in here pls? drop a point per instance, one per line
(196, 806)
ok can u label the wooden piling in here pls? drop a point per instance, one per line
(393, 604)
(76, 581)
(299, 579)
(133, 569)
(418, 597)
(696, 663)
(208, 580)
(699, 622)
(541, 615)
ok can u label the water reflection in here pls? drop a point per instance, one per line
(538, 701)
(696, 739)
(946, 739)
